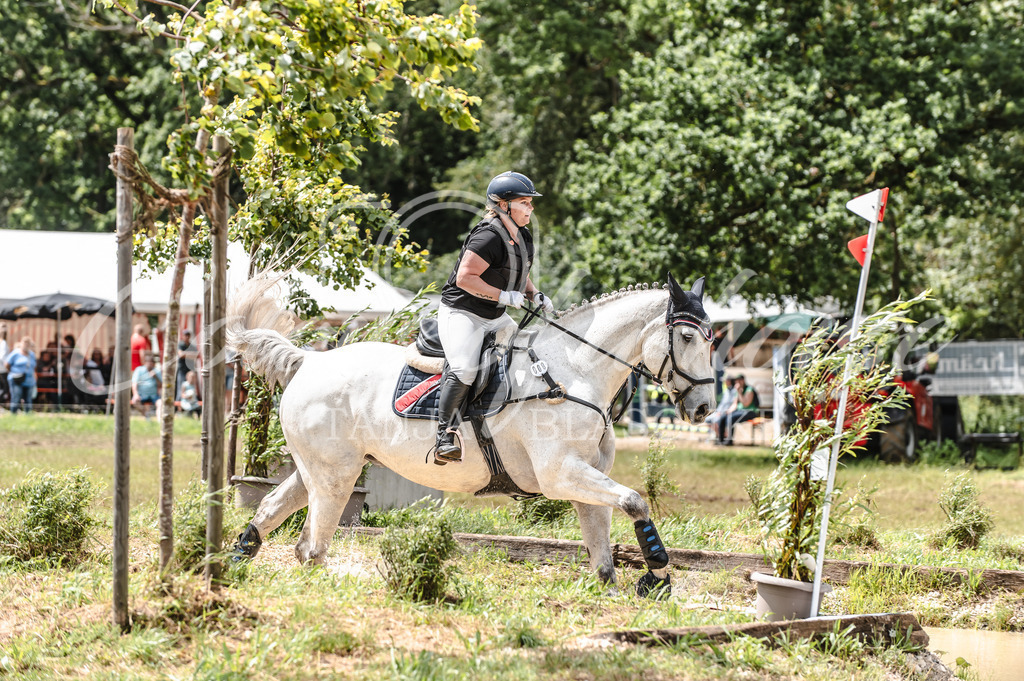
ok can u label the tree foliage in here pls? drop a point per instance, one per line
(68, 80)
(737, 143)
(708, 136)
(294, 88)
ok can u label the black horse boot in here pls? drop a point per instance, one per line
(453, 395)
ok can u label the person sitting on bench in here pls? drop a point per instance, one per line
(746, 406)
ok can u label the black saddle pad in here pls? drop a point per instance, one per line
(417, 393)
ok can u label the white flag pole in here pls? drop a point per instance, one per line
(870, 207)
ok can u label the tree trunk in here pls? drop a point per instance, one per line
(218, 314)
(170, 371)
(236, 407)
(170, 376)
(122, 390)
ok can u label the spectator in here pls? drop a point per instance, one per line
(748, 406)
(95, 382)
(140, 346)
(4, 351)
(74, 369)
(190, 404)
(725, 405)
(21, 374)
(146, 381)
(47, 361)
(187, 353)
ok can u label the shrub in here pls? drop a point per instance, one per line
(654, 478)
(541, 510)
(415, 558)
(944, 454)
(47, 517)
(190, 526)
(754, 487)
(967, 520)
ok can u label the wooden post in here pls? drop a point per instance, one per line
(204, 438)
(236, 396)
(122, 384)
(218, 370)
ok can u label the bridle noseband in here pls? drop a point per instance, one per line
(704, 328)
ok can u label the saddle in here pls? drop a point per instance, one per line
(417, 394)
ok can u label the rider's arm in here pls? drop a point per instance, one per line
(531, 290)
(468, 277)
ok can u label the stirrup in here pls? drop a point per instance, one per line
(442, 458)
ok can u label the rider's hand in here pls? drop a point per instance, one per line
(511, 299)
(545, 302)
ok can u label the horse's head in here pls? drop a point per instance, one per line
(681, 359)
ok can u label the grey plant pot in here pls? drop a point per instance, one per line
(250, 491)
(783, 599)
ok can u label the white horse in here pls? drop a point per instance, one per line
(336, 413)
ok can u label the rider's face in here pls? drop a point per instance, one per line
(521, 209)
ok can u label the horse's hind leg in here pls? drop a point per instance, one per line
(287, 498)
(327, 500)
(595, 524)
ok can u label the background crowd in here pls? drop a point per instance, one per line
(29, 376)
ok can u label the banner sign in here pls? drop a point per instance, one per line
(980, 368)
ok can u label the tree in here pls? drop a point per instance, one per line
(290, 87)
(738, 142)
(65, 88)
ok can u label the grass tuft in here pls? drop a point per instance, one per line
(47, 517)
(415, 559)
(967, 520)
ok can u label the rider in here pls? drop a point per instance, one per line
(492, 273)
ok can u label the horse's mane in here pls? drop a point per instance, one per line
(586, 305)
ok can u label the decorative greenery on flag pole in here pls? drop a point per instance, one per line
(791, 503)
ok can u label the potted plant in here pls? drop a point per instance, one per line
(266, 460)
(789, 505)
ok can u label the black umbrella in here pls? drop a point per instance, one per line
(57, 306)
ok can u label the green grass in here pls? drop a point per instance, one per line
(501, 620)
(53, 442)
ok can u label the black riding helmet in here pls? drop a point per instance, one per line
(510, 185)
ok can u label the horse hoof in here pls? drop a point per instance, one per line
(651, 586)
(247, 545)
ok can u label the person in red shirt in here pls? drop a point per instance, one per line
(140, 346)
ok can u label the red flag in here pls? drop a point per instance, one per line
(859, 248)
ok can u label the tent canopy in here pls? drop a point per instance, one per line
(54, 305)
(85, 263)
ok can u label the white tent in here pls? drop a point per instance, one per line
(85, 263)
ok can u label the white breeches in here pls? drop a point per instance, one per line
(462, 336)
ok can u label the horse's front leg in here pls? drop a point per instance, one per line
(571, 477)
(595, 525)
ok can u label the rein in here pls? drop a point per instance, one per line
(539, 367)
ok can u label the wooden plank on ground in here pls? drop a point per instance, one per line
(533, 549)
(874, 629)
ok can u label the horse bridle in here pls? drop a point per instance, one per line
(704, 328)
(672, 320)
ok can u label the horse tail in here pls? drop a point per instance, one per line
(256, 327)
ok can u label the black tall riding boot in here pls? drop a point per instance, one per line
(453, 394)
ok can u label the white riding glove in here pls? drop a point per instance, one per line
(545, 302)
(511, 299)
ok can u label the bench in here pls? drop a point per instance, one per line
(970, 442)
(757, 432)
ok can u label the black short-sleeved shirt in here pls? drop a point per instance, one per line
(509, 261)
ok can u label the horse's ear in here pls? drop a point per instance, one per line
(698, 288)
(675, 291)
